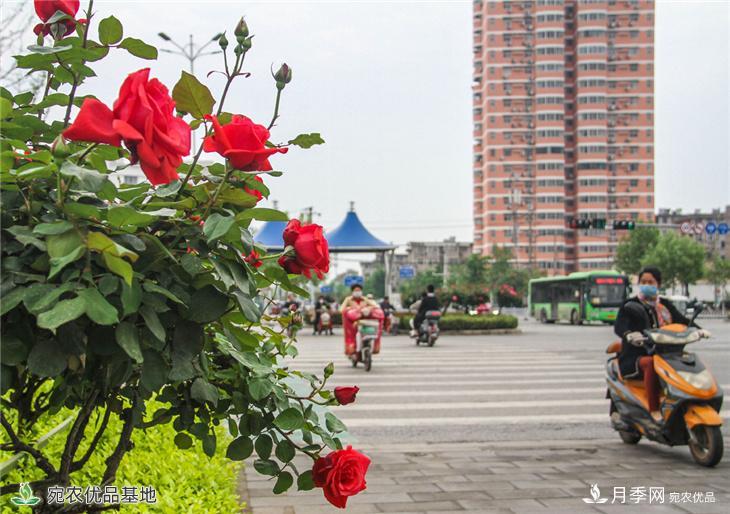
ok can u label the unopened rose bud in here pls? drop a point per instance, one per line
(247, 43)
(59, 148)
(58, 30)
(241, 31)
(283, 76)
(223, 42)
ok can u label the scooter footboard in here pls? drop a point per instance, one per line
(702, 415)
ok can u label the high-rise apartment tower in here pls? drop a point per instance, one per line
(563, 126)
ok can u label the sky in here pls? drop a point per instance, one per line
(388, 85)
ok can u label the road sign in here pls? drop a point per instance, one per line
(326, 289)
(710, 228)
(407, 271)
(722, 229)
(686, 228)
(351, 280)
(699, 228)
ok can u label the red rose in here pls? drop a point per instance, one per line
(346, 395)
(255, 192)
(242, 142)
(254, 259)
(45, 9)
(311, 252)
(341, 474)
(144, 119)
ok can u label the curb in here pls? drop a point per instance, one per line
(475, 332)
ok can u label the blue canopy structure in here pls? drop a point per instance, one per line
(270, 236)
(352, 236)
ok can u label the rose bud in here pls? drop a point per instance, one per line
(283, 76)
(254, 259)
(60, 148)
(346, 395)
(223, 42)
(341, 474)
(241, 31)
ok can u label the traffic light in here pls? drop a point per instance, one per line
(623, 225)
(579, 223)
(599, 223)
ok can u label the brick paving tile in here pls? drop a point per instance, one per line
(419, 506)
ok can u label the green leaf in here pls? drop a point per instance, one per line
(290, 419)
(97, 308)
(6, 108)
(266, 467)
(262, 214)
(110, 31)
(128, 218)
(216, 226)
(153, 322)
(13, 352)
(206, 305)
(139, 48)
(58, 263)
(247, 306)
(108, 285)
(10, 300)
(259, 388)
(127, 337)
(307, 140)
(63, 244)
(305, 482)
(204, 391)
(283, 483)
(63, 312)
(47, 359)
(131, 297)
(89, 180)
(151, 287)
(154, 370)
(240, 448)
(264, 444)
(55, 228)
(334, 425)
(285, 451)
(209, 443)
(183, 441)
(119, 266)
(192, 97)
(100, 242)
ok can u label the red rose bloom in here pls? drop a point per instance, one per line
(144, 119)
(255, 192)
(346, 395)
(341, 474)
(311, 252)
(242, 142)
(45, 9)
(254, 259)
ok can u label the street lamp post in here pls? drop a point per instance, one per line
(190, 52)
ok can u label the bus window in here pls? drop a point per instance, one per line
(609, 291)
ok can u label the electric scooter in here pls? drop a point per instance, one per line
(367, 333)
(428, 332)
(690, 398)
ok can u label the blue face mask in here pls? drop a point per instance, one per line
(648, 290)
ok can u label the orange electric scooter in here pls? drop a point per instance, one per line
(690, 398)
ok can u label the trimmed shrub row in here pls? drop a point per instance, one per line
(466, 322)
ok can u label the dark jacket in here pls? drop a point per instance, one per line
(635, 316)
(428, 303)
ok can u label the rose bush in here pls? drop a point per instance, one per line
(117, 296)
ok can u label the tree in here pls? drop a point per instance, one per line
(680, 259)
(469, 279)
(375, 283)
(719, 274)
(632, 249)
(412, 289)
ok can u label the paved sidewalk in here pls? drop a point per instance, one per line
(510, 477)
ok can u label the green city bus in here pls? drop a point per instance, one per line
(578, 297)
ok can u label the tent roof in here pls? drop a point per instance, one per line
(352, 236)
(270, 235)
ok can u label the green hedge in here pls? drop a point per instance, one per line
(466, 322)
(185, 481)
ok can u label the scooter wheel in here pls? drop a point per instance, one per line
(629, 437)
(368, 362)
(431, 341)
(706, 447)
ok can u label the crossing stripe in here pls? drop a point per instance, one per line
(492, 392)
(436, 376)
(484, 420)
(517, 381)
(471, 406)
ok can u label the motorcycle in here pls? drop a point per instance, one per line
(325, 324)
(690, 398)
(428, 332)
(367, 326)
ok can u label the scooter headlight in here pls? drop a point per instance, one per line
(701, 380)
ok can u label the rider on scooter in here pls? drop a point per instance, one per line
(429, 302)
(319, 307)
(356, 300)
(642, 312)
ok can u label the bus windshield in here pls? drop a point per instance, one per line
(607, 291)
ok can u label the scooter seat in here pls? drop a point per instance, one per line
(614, 347)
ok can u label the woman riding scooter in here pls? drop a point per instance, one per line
(643, 312)
(353, 308)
